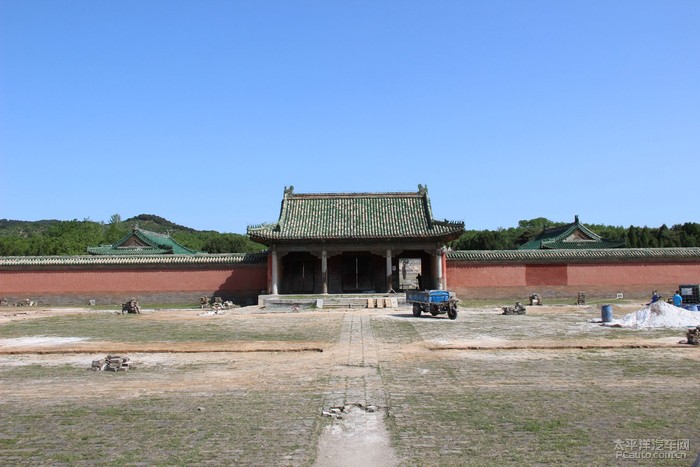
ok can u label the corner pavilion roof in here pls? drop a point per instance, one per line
(143, 242)
(573, 236)
(355, 217)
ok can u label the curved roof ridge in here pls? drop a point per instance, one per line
(9, 262)
(407, 194)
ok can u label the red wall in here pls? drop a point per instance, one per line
(243, 282)
(238, 283)
(633, 280)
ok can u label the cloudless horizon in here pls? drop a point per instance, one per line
(201, 112)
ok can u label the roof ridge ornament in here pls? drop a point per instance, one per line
(422, 189)
(289, 191)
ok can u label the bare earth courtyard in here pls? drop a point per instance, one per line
(346, 387)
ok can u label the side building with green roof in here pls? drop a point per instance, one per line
(574, 236)
(142, 242)
(354, 242)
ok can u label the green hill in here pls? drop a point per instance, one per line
(55, 237)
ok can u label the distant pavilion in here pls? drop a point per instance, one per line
(574, 236)
(142, 242)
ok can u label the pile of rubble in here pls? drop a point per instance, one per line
(219, 303)
(518, 309)
(658, 315)
(337, 413)
(131, 306)
(112, 363)
(25, 302)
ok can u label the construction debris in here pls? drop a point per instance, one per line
(112, 363)
(535, 299)
(518, 309)
(131, 306)
(337, 413)
(693, 336)
(219, 304)
(25, 302)
(388, 302)
(658, 315)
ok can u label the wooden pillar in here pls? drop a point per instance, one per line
(438, 269)
(444, 269)
(324, 271)
(389, 272)
(275, 271)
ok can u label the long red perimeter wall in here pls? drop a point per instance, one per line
(241, 278)
(112, 280)
(635, 273)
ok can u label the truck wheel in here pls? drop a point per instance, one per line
(416, 309)
(452, 313)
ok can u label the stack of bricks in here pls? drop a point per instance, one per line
(382, 302)
(112, 363)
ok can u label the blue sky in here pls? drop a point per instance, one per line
(203, 111)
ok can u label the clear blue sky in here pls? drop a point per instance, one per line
(203, 111)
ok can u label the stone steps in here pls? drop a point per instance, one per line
(333, 301)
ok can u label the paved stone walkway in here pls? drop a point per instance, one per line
(355, 376)
(356, 401)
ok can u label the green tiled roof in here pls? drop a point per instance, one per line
(143, 242)
(12, 262)
(594, 255)
(573, 236)
(352, 217)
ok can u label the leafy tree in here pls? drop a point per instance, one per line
(14, 246)
(688, 234)
(231, 243)
(632, 237)
(116, 230)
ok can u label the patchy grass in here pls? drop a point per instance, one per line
(144, 328)
(234, 428)
(448, 407)
(571, 325)
(482, 408)
(395, 331)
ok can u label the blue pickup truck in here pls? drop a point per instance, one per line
(435, 302)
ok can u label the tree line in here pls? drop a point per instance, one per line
(50, 238)
(681, 235)
(61, 238)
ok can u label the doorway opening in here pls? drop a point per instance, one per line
(357, 273)
(410, 277)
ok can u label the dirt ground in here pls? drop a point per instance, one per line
(349, 387)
